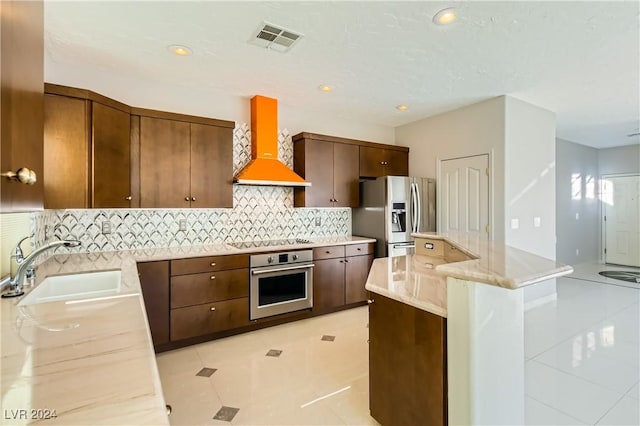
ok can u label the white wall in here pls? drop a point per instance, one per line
(472, 130)
(530, 184)
(13, 228)
(207, 102)
(577, 161)
(619, 160)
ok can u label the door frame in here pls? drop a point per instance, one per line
(491, 155)
(603, 225)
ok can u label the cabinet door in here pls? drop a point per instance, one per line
(154, 280)
(328, 284)
(199, 320)
(346, 186)
(355, 278)
(371, 160)
(318, 169)
(396, 163)
(111, 163)
(211, 166)
(407, 364)
(164, 163)
(66, 153)
(21, 115)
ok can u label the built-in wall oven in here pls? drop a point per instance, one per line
(280, 283)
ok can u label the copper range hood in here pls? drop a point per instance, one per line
(264, 167)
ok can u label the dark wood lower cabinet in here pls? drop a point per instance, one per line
(328, 284)
(407, 364)
(355, 277)
(209, 318)
(154, 280)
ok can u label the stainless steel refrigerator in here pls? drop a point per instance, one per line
(391, 208)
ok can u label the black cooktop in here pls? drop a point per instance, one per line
(269, 243)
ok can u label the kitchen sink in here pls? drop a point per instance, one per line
(78, 286)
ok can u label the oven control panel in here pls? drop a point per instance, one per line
(281, 258)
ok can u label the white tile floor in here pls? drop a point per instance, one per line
(582, 365)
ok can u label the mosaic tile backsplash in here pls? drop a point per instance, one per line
(259, 213)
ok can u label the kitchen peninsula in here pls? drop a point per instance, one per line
(92, 361)
(454, 305)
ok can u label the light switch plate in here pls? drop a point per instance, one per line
(536, 222)
(182, 225)
(106, 227)
(515, 224)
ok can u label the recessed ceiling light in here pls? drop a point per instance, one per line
(180, 50)
(402, 107)
(445, 16)
(325, 88)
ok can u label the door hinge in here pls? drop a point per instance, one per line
(488, 229)
(487, 171)
(605, 250)
(605, 218)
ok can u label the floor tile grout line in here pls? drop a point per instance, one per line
(556, 409)
(582, 378)
(611, 408)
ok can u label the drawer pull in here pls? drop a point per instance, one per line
(359, 248)
(328, 252)
(212, 277)
(213, 308)
(370, 301)
(213, 263)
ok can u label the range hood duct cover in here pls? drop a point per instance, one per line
(264, 167)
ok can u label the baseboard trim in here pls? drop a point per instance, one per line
(540, 301)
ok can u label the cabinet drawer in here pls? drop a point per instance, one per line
(208, 264)
(435, 247)
(194, 289)
(328, 252)
(209, 318)
(358, 249)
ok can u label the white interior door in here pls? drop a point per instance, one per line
(621, 205)
(464, 195)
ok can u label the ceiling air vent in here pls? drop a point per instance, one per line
(274, 37)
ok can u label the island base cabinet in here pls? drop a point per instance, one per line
(210, 318)
(407, 364)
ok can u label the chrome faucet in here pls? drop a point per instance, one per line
(16, 282)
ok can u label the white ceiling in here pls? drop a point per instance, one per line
(578, 59)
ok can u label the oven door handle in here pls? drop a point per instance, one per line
(291, 268)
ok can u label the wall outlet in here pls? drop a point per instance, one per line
(182, 225)
(318, 221)
(515, 224)
(106, 227)
(577, 216)
(536, 222)
(577, 252)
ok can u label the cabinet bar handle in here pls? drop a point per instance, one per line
(213, 263)
(327, 252)
(193, 198)
(212, 277)
(346, 261)
(370, 301)
(187, 198)
(128, 198)
(213, 308)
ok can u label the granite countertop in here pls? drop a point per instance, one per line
(93, 362)
(420, 281)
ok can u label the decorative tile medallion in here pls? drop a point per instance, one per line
(226, 413)
(206, 372)
(274, 352)
(328, 338)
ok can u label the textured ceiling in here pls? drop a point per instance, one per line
(579, 59)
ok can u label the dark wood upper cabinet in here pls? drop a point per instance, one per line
(111, 163)
(376, 162)
(185, 164)
(21, 112)
(211, 166)
(66, 152)
(164, 163)
(331, 168)
(86, 150)
(335, 165)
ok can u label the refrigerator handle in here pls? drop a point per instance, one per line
(418, 210)
(413, 207)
